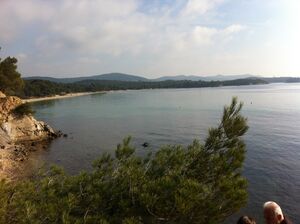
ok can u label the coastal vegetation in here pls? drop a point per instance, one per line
(42, 88)
(10, 79)
(200, 183)
(23, 109)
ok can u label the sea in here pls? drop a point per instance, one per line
(97, 123)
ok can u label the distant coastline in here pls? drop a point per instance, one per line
(49, 88)
(68, 95)
(36, 90)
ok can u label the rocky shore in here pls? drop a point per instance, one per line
(19, 135)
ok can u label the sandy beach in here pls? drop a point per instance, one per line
(60, 96)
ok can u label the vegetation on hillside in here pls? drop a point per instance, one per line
(40, 88)
(200, 183)
(23, 109)
(10, 79)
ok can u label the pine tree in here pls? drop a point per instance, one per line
(201, 183)
(10, 79)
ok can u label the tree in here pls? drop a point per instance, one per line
(10, 79)
(23, 109)
(40, 88)
(201, 183)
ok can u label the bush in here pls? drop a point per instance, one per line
(23, 109)
(10, 79)
(201, 183)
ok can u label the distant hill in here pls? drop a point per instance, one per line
(109, 76)
(135, 78)
(281, 79)
(204, 78)
(45, 78)
(178, 77)
(228, 77)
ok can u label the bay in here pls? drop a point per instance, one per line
(97, 123)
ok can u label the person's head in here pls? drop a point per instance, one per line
(246, 220)
(272, 213)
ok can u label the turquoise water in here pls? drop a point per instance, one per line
(97, 123)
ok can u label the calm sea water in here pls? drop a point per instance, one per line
(97, 123)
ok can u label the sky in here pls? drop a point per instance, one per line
(152, 38)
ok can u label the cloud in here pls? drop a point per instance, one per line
(21, 56)
(111, 27)
(199, 7)
(15, 16)
(110, 33)
(203, 35)
(234, 28)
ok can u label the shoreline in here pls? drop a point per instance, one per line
(16, 156)
(69, 95)
(55, 97)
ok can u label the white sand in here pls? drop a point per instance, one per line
(60, 96)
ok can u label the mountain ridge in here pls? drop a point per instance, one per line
(205, 78)
(129, 77)
(108, 76)
(135, 78)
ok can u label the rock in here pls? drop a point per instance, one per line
(7, 104)
(20, 128)
(2, 95)
(33, 149)
(26, 128)
(65, 135)
(145, 144)
(14, 131)
(59, 133)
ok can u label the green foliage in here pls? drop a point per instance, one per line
(23, 109)
(42, 88)
(201, 183)
(10, 78)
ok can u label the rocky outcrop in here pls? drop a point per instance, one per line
(18, 134)
(26, 128)
(2, 95)
(7, 104)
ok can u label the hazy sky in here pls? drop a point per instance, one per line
(152, 38)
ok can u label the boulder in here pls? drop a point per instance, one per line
(20, 128)
(2, 95)
(26, 128)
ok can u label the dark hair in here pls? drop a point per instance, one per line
(246, 220)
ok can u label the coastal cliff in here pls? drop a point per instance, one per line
(19, 134)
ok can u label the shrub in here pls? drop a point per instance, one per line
(201, 183)
(23, 109)
(10, 79)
